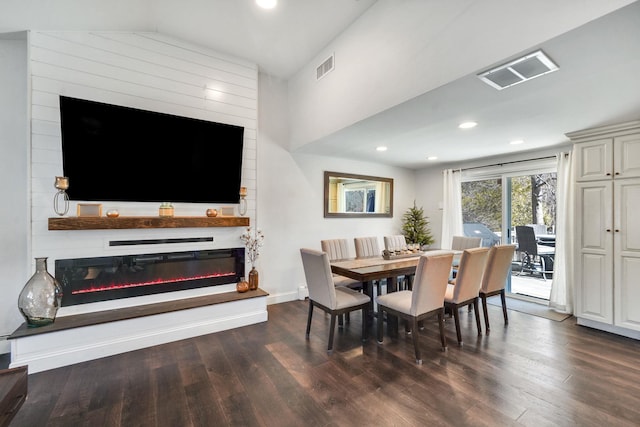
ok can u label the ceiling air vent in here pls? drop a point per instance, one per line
(324, 68)
(520, 70)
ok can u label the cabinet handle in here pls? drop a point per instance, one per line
(617, 231)
(608, 230)
(617, 173)
(608, 173)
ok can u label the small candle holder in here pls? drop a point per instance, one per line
(61, 197)
(242, 207)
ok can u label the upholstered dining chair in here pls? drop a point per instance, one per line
(494, 279)
(368, 247)
(398, 242)
(425, 300)
(395, 242)
(460, 243)
(323, 294)
(464, 289)
(339, 249)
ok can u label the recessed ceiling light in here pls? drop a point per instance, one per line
(432, 158)
(468, 125)
(516, 142)
(381, 148)
(267, 4)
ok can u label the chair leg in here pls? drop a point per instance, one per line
(456, 318)
(380, 323)
(504, 307)
(340, 321)
(416, 347)
(309, 318)
(483, 297)
(331, 332)
(443, 339)
(475, 308)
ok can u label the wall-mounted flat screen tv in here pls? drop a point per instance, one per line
(115, 153)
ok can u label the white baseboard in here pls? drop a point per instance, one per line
(609, 328)
(65, 347)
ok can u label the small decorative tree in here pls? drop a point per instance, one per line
(415, 226)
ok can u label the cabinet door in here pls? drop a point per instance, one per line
(626, 156)
(627, 253)
(594, 239)
(594, 160)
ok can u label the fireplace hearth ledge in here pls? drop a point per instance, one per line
(90, 336)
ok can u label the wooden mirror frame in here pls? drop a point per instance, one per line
(332, 213)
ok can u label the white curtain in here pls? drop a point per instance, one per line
(561, 298)
(451, 207)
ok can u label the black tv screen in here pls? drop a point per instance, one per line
(115, 153)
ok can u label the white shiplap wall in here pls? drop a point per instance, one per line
(149, 71)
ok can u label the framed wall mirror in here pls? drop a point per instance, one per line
(348, 195)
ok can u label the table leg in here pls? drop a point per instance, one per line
(392, 321)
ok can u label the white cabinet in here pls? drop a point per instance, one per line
(607, 163)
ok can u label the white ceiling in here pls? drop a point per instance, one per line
(597, 82)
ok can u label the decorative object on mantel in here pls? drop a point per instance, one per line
(40, 298)
(113, 213)
(89, 209)
(62, 185)
(242, 207)
(226, 211)
(253, 241)
(166, 209)
(212, 213)
(415, 227)
(242, 286)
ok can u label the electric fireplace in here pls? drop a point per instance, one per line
(85, 280)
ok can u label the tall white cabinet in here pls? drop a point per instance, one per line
(607, 227)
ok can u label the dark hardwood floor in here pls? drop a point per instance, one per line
(535, 372)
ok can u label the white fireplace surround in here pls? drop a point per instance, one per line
(146, 71)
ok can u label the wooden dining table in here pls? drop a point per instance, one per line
(366, 270)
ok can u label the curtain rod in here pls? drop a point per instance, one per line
(505, 163)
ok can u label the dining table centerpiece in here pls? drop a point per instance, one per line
(253, 240)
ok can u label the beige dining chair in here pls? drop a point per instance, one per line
(494, 279)
(464, 289)
(460, 243)
(395, 242)
(323, 294)
(367, 247)
(339, 249)
(398, 242)
(425, 300)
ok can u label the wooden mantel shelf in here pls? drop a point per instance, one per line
(129, 222)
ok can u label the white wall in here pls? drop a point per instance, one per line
(291, 198)
(14, 168)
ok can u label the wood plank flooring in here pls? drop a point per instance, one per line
(535, 372)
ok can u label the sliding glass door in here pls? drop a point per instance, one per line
(497, 203)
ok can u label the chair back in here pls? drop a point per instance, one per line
(317, 271)
(469, 278)
(336, 248)
(526, 240)
(497, 268)
(395, 243)
(430, 282)
(460, 243)
(366, 247)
